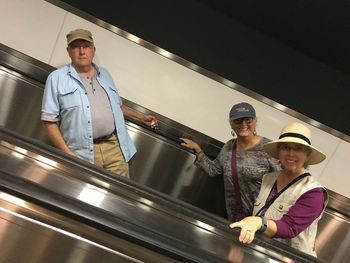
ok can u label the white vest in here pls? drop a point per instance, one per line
(305, 241)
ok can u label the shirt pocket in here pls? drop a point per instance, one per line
(258, 203)
(69, 97)
(281, 207)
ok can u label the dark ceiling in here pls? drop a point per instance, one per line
(319, 28)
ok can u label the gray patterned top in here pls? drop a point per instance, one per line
(252, 164)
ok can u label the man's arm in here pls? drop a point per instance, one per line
(149, 120)
(56, 137)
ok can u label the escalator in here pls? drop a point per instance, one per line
(50, 201)
(57, 208)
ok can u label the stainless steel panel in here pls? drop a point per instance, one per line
(164, 166)
(20, 104)
(163, 225)
(34, 234)
(333, 238)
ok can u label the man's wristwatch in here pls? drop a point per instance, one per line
(263, 224)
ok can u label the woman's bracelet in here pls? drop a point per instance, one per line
(263, 225)
(197, 153)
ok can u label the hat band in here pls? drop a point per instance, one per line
(296, 135)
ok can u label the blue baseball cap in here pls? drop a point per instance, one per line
(242, 110)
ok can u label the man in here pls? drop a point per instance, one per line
(83, 113)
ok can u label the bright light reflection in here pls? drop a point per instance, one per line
(145, 204)
(19, 152)
(134, 38)
(205, 226)
(92, 195)
(45, 162)
(101, 183)
(12, 199)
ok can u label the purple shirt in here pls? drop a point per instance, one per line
(306, 209)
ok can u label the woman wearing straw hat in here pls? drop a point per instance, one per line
(291, 201)
(242, 162)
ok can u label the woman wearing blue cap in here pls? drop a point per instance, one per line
(242, 161)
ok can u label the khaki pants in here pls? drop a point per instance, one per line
(107, 154)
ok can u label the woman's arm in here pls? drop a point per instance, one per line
(300, 216)
(306, 209)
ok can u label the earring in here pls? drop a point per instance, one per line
(254, 133)
(233, 133)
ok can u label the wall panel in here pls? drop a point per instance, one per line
(30, 26)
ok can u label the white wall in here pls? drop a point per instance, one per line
(38, 29)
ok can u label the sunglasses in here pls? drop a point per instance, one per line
(247, 120)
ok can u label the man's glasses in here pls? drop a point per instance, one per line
(247, 120)
(80, 46)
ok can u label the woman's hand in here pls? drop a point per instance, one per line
(191, 145)
(249, 226)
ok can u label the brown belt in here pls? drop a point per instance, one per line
(103, 138)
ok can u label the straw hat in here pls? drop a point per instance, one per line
(297, 133)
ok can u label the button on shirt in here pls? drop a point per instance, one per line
(65, 100)
(101, 110)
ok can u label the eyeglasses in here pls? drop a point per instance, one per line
(296, 148)
(247, 120)
(76, 47)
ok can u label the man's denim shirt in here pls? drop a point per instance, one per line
(65, 101)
